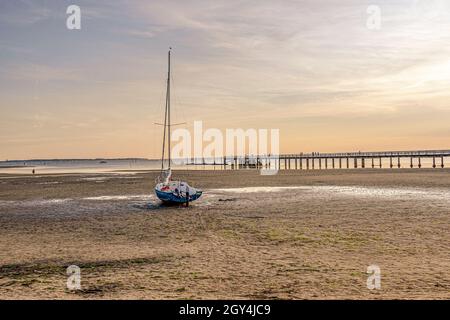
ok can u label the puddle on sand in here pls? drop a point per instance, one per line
(109, 177)
(33, 203)
(118, 197)
(351, 191)
(49, 182)
(258, 189)
(387, 192)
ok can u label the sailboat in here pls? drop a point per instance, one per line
(166, 189)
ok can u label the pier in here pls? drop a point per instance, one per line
(325, 161)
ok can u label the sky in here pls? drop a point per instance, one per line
(312, 69)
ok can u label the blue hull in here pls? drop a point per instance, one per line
(172, 198)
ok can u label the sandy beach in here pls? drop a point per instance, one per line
(295, 235)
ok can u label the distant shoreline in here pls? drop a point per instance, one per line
(13, 167)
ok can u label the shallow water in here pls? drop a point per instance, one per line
(222, 196)
(120, 197)
(96, 166)
(257, 189)
(76, 166)
(350, 191)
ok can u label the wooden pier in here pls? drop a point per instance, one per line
(346, 160)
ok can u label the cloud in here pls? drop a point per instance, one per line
(24, 13)
(40, 72)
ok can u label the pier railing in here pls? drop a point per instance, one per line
(339, 160)
(376, 154)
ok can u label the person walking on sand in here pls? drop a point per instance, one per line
(33, 171)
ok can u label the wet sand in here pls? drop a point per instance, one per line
(296, 235)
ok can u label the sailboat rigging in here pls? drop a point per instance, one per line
(168, 190)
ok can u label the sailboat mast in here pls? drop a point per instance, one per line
(165, 121)
(168, 107)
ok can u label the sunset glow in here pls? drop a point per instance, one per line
(312, 69)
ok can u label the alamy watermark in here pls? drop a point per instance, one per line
(374, 279)
(74, 279)
(235, 147)
(374, 19)
(73, 21)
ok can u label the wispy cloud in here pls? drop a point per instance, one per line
(24, 12)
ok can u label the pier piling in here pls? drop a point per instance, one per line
(437, 158)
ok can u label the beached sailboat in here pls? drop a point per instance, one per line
(168, 190)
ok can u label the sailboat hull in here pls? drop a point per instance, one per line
(170, 197)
